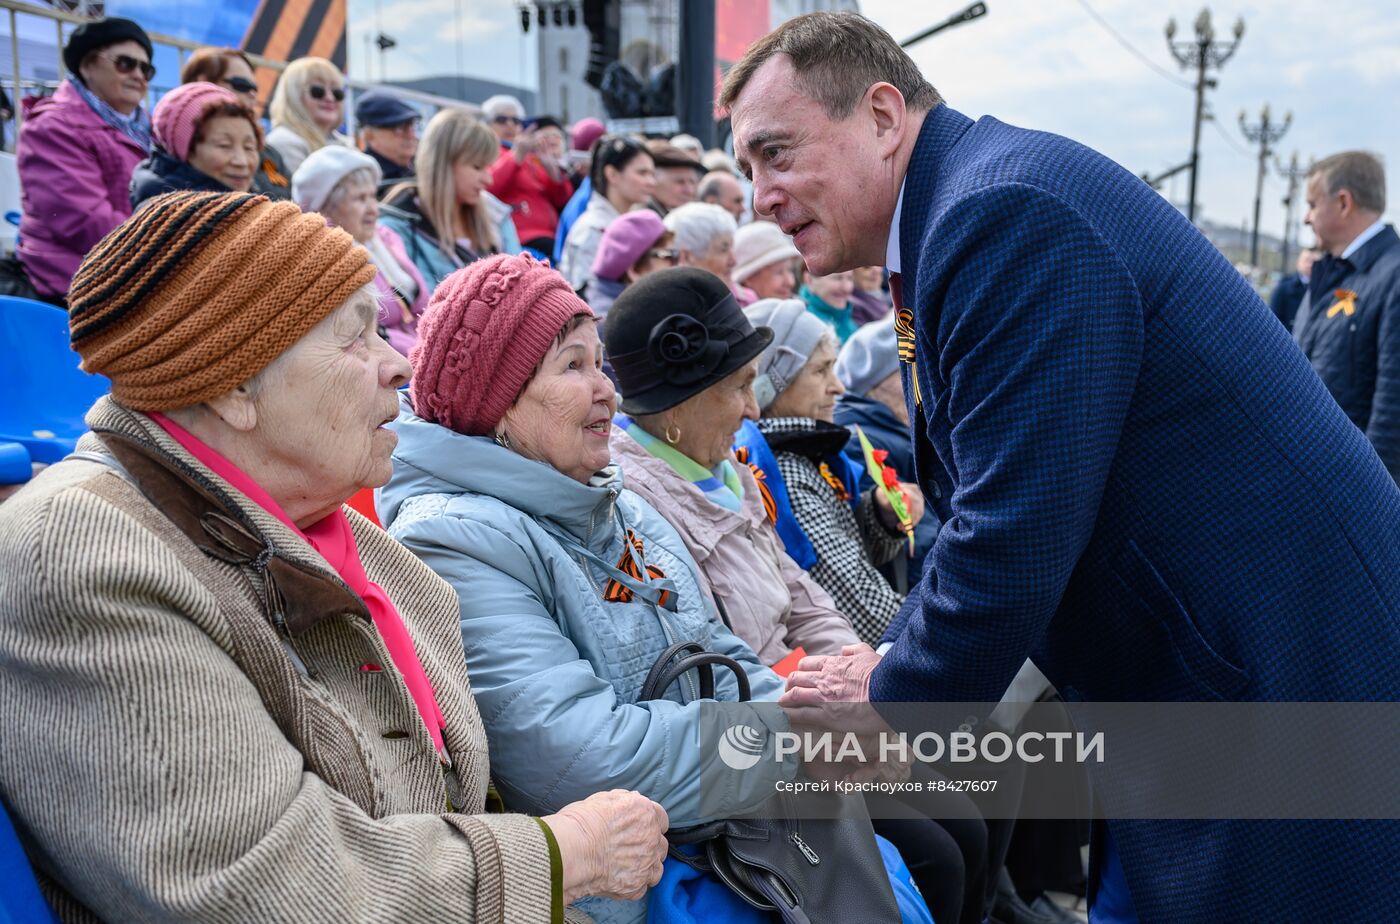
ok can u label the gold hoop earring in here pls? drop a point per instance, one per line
(675, 438)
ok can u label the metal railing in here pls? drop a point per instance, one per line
(184, 48)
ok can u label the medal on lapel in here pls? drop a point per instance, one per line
(1345, 304)
(904, 337)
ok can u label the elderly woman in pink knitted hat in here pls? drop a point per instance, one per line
(207, 140)
(570, 586)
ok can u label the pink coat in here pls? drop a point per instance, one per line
(768, 600)
(75, 185)
(402, 334)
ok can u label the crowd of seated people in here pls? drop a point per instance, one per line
(576, 464)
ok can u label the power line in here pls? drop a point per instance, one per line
(1229, 139)
(1108, 27)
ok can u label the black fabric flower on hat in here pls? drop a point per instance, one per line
(683, 350)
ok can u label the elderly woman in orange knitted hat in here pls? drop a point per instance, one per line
(225, 695)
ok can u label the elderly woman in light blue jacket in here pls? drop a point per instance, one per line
(570, 586)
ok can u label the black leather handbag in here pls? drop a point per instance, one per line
(805, 871)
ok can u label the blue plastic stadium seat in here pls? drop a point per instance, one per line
(20, 899)
(43, 393)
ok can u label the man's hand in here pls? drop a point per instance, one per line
(833, 692)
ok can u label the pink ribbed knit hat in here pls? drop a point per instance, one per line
(179, 112)
(486, 329)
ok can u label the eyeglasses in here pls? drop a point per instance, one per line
(670, 256)
(240, 84)
(125, 64)
(319, 92)
(507, 120)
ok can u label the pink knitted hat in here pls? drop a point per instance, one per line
(486, 329)
(179, 112)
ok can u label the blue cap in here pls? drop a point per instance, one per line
(382, 108)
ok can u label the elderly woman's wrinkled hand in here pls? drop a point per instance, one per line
(833, 692)
(913, 502)
(612, 844)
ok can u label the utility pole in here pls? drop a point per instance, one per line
(1294, 175)
(1264, 134)
(1202, 54)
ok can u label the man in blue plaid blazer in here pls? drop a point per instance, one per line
(1143, 484)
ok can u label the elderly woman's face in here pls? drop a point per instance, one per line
(355, 209)
(226, 148)
(836, 290)
(241, 81)
(564, 416)
(868, 278)
(718, 259)
(773, 281)
(114, 74)
(814, 391)
(707, 421)
(322, 407)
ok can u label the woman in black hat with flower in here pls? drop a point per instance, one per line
(686, 358)
(78, 149)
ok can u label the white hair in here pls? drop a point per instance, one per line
(348, 184)
(502, 104)
(697, 224)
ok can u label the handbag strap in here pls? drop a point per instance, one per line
(659, 592)
(702, 663)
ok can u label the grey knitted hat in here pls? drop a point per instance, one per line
(796, 333)
(869, 357)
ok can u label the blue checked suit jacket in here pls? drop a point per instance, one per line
(1145, 487)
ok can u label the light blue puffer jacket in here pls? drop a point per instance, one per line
(556, 670)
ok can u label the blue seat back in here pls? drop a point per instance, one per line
(43, 393)
(20, 899)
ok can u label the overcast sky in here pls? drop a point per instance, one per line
(1048, 64)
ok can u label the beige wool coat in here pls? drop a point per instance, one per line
(167, 754)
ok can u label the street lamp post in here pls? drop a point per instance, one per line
(1264, 134)
(1294, 175)
(1202, 53)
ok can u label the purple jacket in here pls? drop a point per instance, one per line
(75, 185)
(403, 333)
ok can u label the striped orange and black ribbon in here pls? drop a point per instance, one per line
(284, 30)
(836, 484)
(770, 506)
(617, 592)
(904, 336)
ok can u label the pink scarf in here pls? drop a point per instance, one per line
(332, 538)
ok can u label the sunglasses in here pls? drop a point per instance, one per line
(505, 119)
(240, 84)
(319, 92)
(125, 64)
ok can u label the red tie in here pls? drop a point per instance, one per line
(896, 290)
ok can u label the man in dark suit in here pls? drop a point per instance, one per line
(1143, 484)
(1349, 324)
(1289, 291)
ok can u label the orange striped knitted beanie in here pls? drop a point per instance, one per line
(198, 292)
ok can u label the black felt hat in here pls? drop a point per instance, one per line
(673, 334)
(92, 36)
